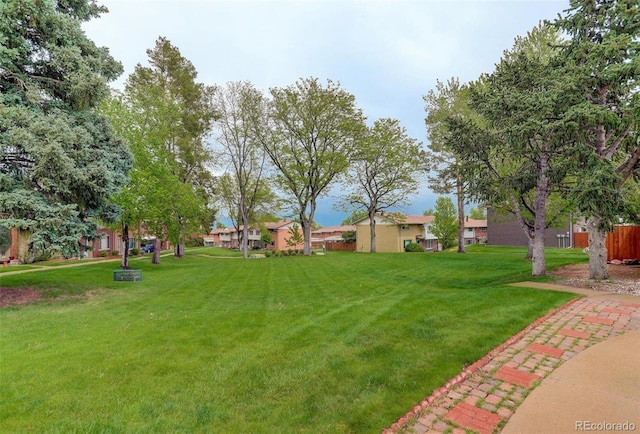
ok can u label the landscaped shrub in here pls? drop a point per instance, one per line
(134, 252)
(291, 252)
(44, 255)
(195, 242)
(103, 253)
(115, 252)
(413, 247)
(267, 253)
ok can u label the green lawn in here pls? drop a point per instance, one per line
(324, 344)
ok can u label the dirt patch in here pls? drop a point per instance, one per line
(623, 279)
(21, 296)
(18, 296)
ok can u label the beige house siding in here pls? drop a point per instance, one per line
(386, 238)
(390, 235)
(411, 234)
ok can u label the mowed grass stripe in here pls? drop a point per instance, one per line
(337, 343)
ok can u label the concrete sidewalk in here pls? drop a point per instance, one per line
(599, 386)
(576, 369)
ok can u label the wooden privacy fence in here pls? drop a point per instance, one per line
(580, 240)
(341, 246)
(336, 246)
(622, 243)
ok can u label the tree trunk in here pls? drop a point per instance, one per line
(244, 242)
(372, 228)
(597, 249)
(460, 197)
(529, 256)
(539, 267)
(156, 252)
(523, 225)
(124, 264)
(306, 227)
(178, 249)
(306, 233)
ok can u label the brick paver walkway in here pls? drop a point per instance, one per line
(485, 395)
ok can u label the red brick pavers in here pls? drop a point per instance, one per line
(485, 395)
(472, 417)
(516, 376)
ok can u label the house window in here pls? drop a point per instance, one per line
(429, 244)
(406, 243)
(105, 242)
(132, 243)
(468, 242)
(404, 227)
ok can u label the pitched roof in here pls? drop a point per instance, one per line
(473, 223)
(417, 219)
(328, 229)
(219, 231)
(268, 225)
(404, 219)
(277, 225)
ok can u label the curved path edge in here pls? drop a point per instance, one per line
(489, 396)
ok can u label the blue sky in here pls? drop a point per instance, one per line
(388, 53)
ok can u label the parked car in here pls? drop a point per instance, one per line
(149, 248)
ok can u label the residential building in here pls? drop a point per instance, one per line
(330, 238)
(475, 231)
(229, 237)
(111, 240)
(430, 241)
(18, 245)
(505, 230)
(281, 232)
(394, 232)
(222, 237)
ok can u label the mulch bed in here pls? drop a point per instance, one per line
(622, 272)
(623, 279)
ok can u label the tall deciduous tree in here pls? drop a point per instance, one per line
(265, 204)
(385, 170)
(450, 100)
(175, 116)
(59, 161)
(478, 213)
(242, 113)
(445, 222)
(131, 198)
(602, 62)
(312, 131)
